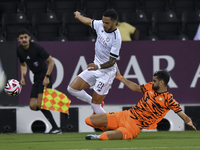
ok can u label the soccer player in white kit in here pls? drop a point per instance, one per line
(102, 71)
(2, 77)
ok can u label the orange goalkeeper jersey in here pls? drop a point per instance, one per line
(153, 107)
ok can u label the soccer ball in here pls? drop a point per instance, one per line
(13, 87)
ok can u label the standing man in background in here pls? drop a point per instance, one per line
(35, 57)
(101, 72)
(127, 31)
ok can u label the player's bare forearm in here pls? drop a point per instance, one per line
(109, 63)
(187, 120)
(23, 68)
(83, 19)
(51, 62)
(131, 85)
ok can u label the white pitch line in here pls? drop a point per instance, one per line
(178, 147)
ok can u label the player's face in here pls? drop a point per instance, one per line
(24, 39)
(156, 83)
(108, 24)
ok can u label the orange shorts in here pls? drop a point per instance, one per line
(122, 121)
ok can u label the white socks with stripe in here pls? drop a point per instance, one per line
(82, 95)
(97, 108)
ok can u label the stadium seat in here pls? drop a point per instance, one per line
(138, 20)
(62, 6)
(2, 38)
(176, 37)
(190, 22)
(97, 15)
(149, 38)
(197, 5)
(11, 6)
(150, 6)
(165, 23)
(57, 38)
(91, 6)
(35, 6)
(46, 25)
(73, 28)
(179, 6)
(12, 22)
(123, 6)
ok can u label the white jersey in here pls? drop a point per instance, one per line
(2, 77)
(197, 36)
(107, 44)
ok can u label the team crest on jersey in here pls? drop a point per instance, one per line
(107, 39)
(160, 98)
(36, 64)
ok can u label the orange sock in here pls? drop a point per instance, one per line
(88, 122)
(103, 136)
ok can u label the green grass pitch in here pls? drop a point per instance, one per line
(184, 140)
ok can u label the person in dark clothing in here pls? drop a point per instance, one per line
(35, 57)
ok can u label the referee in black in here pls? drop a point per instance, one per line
(35, 56)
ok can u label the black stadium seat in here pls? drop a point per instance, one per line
(150, 6)
(138, 20)
(179, 6)
(73, 28)
(190, 22)
(12, 22)
(46, 25)
(91, 6)
(35, 6)
(122, 6)
(62, 6)
(165, 23)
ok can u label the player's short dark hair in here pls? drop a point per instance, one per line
(162, 75)
(111, 13)
(22, 31)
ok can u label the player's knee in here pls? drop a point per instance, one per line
(32, 107)
(103, 136)
(88, 121)
(71, 91)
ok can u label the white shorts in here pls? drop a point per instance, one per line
(101, 79)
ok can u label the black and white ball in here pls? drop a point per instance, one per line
(13, 87)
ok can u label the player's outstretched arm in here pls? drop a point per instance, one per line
(81, 18)
(131, 85)
(187, 120)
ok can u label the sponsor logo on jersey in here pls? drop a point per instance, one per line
(107, 39)
(160, 98)
(28, 57)
(36, 64)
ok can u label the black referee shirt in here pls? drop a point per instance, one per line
(35, 57)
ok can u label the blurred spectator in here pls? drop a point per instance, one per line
(197, 36)
(128, 32)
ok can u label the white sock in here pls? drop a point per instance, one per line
(97, 108)
(82, 95)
